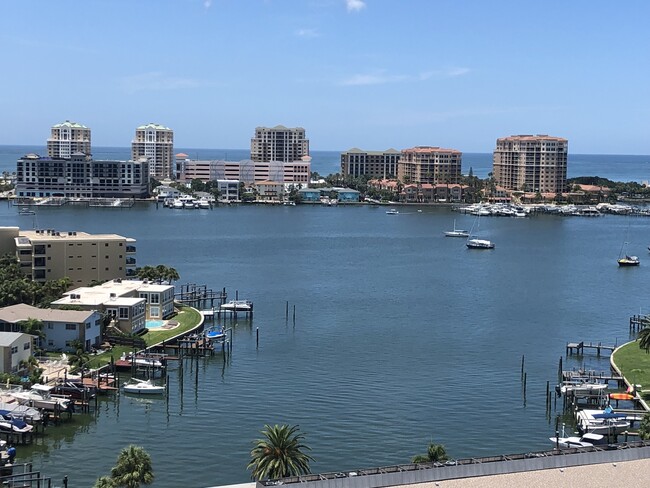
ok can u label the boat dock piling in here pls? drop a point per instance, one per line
(579, 347)
(638, 322)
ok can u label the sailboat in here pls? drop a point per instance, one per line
(473, 242)
(625, 259)
(456, 232)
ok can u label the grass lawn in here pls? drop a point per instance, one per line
(634, 364)
(187, 319)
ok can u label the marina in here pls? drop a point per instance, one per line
(324, 311)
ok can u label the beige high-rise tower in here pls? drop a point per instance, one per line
(156, 143)
(68, 138)
(532, 163)
(279, 143)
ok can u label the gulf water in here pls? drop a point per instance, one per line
(401, 336)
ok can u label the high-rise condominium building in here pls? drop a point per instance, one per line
(374, 164)
(430, 164)
(67, 139)
(279, 143)
(531, 163)
(156, 143)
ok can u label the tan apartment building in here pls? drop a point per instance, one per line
(374, 164)
(279, 143)
(68, 138)
(430, 164)
(248, 171)
(531, 163)
(156, 143)
(49, 254)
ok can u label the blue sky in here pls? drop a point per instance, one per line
(372, 74)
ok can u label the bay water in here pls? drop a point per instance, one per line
(401, 336)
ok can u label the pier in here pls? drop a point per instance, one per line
(638, 322)
(579, 347)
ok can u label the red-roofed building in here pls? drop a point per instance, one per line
(430, 164)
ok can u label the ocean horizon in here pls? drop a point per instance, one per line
(616, 167)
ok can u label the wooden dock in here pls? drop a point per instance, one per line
(579, 347)
(638, 322)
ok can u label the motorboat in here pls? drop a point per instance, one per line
(40, 396)
(215, 334)
(238, 306)
(586, 440)
(143, 387)
(26, 211)
(628, 261)
(479, 244)
(142, 361)
(457, 232)
(605, 422)
(13, 425)
(392, 211)
(21, 412)
(582, 388)
(203, 203)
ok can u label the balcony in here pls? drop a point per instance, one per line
(130, 249)
(130, 261)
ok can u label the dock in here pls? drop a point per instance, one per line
(579, 347)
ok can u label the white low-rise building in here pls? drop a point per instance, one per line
(14, 348)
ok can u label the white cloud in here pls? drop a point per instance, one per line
(307, 33)
(355, 5)
(380, 78)
(156, 81)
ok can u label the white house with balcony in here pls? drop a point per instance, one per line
(14, 348)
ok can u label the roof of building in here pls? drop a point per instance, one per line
(72, 125)
(430, 149)
(387, 151)
(531, 137)
(22, 311)
(182, 156)
(8, 338)
(151, 125)
(52, 234)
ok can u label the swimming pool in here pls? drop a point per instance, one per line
(152, 324)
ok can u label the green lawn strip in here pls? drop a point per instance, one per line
(634, 364)
(187, 318)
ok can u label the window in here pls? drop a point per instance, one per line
(70, 326)
(14, 349)
(27, 345)
(124, 313)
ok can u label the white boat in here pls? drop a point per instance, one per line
(579, 388)
(392, 211)
(204, 203)
(13, 425)
(215, 334)
(586, 440)
(40, 396)
(605, 422)
(143, 387)
(237, 306)
(473, 242)
(22, 412)
(147, 362)
(178, 204)
(457, 232)
(479, 244)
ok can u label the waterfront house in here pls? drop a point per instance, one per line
(61, 327)
(129, 302)
(346, 195)
(270, 190)
(309, 195)
(14, 348)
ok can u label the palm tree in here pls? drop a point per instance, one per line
(644, 338)
(79, 356)
(171, 275)
(279, 454)
(104, 482)
(435, 453)
(133, 468)
(33, 327)
(644, 427)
